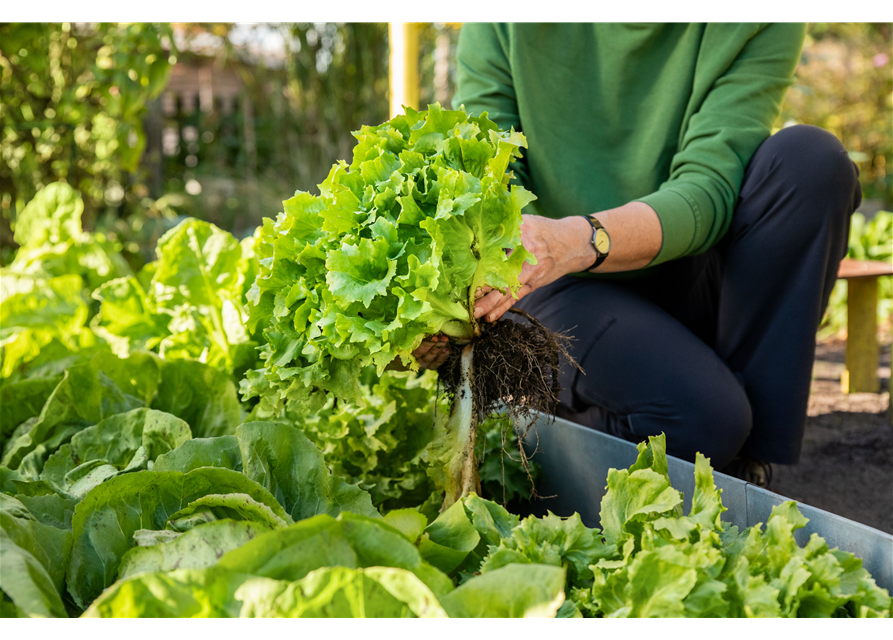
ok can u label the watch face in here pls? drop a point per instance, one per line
(602, 241)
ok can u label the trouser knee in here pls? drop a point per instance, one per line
(815, 167)
(715, 423)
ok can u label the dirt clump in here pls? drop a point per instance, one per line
(516, 367)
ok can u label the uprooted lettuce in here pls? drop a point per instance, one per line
(382, 443)
(391, 251)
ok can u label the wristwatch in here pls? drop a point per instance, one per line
(601, 242)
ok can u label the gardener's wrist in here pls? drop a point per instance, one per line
(580, 252)
(635, 234)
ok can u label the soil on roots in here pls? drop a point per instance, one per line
(516, 368)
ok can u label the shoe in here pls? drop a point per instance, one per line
(753, 471)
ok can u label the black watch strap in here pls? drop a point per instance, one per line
(601, 238)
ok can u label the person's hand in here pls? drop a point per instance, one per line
(560, 246)
(431, 354)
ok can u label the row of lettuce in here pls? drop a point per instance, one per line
(134, 481)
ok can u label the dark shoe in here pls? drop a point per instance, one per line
(753, 471)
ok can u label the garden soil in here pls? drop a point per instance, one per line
(846, 466)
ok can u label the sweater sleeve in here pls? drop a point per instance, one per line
(734, 105)
(484, 80)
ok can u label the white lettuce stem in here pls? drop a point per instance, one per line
(463, 422)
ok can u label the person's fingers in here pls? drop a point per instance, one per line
(433, 358)
(507, 304)
(486, 304)
(441, 359)
(489, 302)
(496, 312)
(432, 351)
(429, 354)
(499, 311)
(423, 348)
(480, 292)
(433, 361)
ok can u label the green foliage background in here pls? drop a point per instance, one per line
(844, 84)
(72, 99)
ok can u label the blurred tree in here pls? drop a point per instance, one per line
(336, 81)
(306, 87)
(72, 99)
(844, 84)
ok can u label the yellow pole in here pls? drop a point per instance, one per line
(862, 350)
(404, 66)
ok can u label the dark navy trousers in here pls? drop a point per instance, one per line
(716, 350)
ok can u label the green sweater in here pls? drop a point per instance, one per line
(666, 114)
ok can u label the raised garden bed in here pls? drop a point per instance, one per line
(576, 459)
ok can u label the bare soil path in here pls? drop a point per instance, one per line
(846, 466)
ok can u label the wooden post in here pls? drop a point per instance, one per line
(404, 66)
(862, 350)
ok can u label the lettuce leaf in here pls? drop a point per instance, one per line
(555, 541)
(45, 290)
(106, 519)
(52, 242)
(38, 312)
(33, 556)
(379, 443)
(193, 305)
(121, 443)
(197, 548)
(330, 592)
(85, 396)
(514, 591)
(23, 399)
(289, 466)
(391, 250)
(350, 541)
(26, 582)
(201, 395)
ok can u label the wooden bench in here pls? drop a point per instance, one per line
(862, 351)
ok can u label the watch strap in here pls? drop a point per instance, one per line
(599, 257)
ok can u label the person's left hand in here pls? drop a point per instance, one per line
(560, 246)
